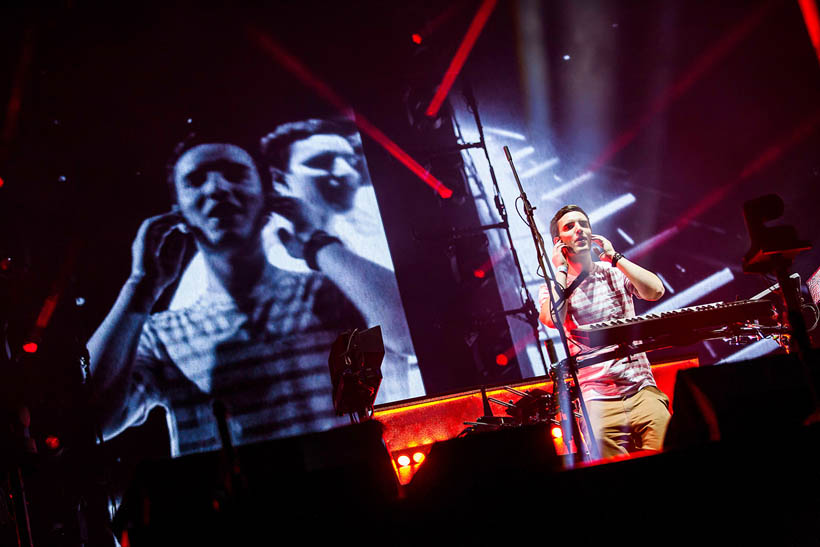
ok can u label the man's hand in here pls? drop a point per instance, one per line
(158, 252)
(606, 245)
(559, 254)
(305, 218)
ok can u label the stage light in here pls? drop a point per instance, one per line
(505, 133)
(79, 301)
(752, 351)
(524, 152)
(501, 360)
(611, 208)
(479, 274)
(403, 460)
(52, 442)
(556, 432)
(625, 236)
(696, 291)
(416, 38)
(1, 182)
(418, 457)
(665, 283)
(583, 177)
(540, 168)
(566, 57)
(642, 248)
(30, 347)
(61, 178)
(460, 56)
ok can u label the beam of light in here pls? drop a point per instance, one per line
(567, 186)
(474, 30)
(812, 20)
(625, 236)
(303, 74)
(752, 351)
(540, 168)
(705, 62)
(611, 208)
(505, 133)
(665, 283)
(18, 83)
(763, 160)
(709, 348)
(696, 291)
(524, 152)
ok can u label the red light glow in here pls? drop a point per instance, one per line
(303, 74)
(705, 62)
(812, 19)
(403, 460)
(416, 38)
(30, 347)
(476, 26)
(52, 442)
(479, 274)
(501, 360)
(1, 182)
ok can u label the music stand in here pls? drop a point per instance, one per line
(355, 371)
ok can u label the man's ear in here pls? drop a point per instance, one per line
(279, 177)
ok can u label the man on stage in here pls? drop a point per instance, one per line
(627, 411)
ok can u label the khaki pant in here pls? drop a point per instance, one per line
(626, 425)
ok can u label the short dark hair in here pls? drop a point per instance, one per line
(197, 138)
(561, 212)
(275, 146)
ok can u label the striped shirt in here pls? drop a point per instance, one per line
(605, 294)
(267, 364)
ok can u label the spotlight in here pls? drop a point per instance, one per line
(52, 442)
(416, 38)
(501, 360)
(556, 432)
(418, 457)
(30, 347)
(403, 460)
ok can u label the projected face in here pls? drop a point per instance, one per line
(574, 231)
(219, 193)
(324, 170)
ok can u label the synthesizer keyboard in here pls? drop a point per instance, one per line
(669, 323)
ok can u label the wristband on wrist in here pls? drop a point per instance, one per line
(563, 269)
(318, 240)
(615, 258)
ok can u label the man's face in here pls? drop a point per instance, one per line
(574, 232)
(324, 171)
(219, 193)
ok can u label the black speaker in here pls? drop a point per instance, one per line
(318, 482)
(743, 401)
(470, 466)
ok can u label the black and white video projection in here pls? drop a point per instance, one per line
(303, 203)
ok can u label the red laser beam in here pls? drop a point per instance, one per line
(474, 30)
(306, 76)
(763, 160)
(696, 70)
(812, 20)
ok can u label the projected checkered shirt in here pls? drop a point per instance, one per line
(605, 294)
(268, 363)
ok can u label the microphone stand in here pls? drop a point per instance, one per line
(567, 368)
